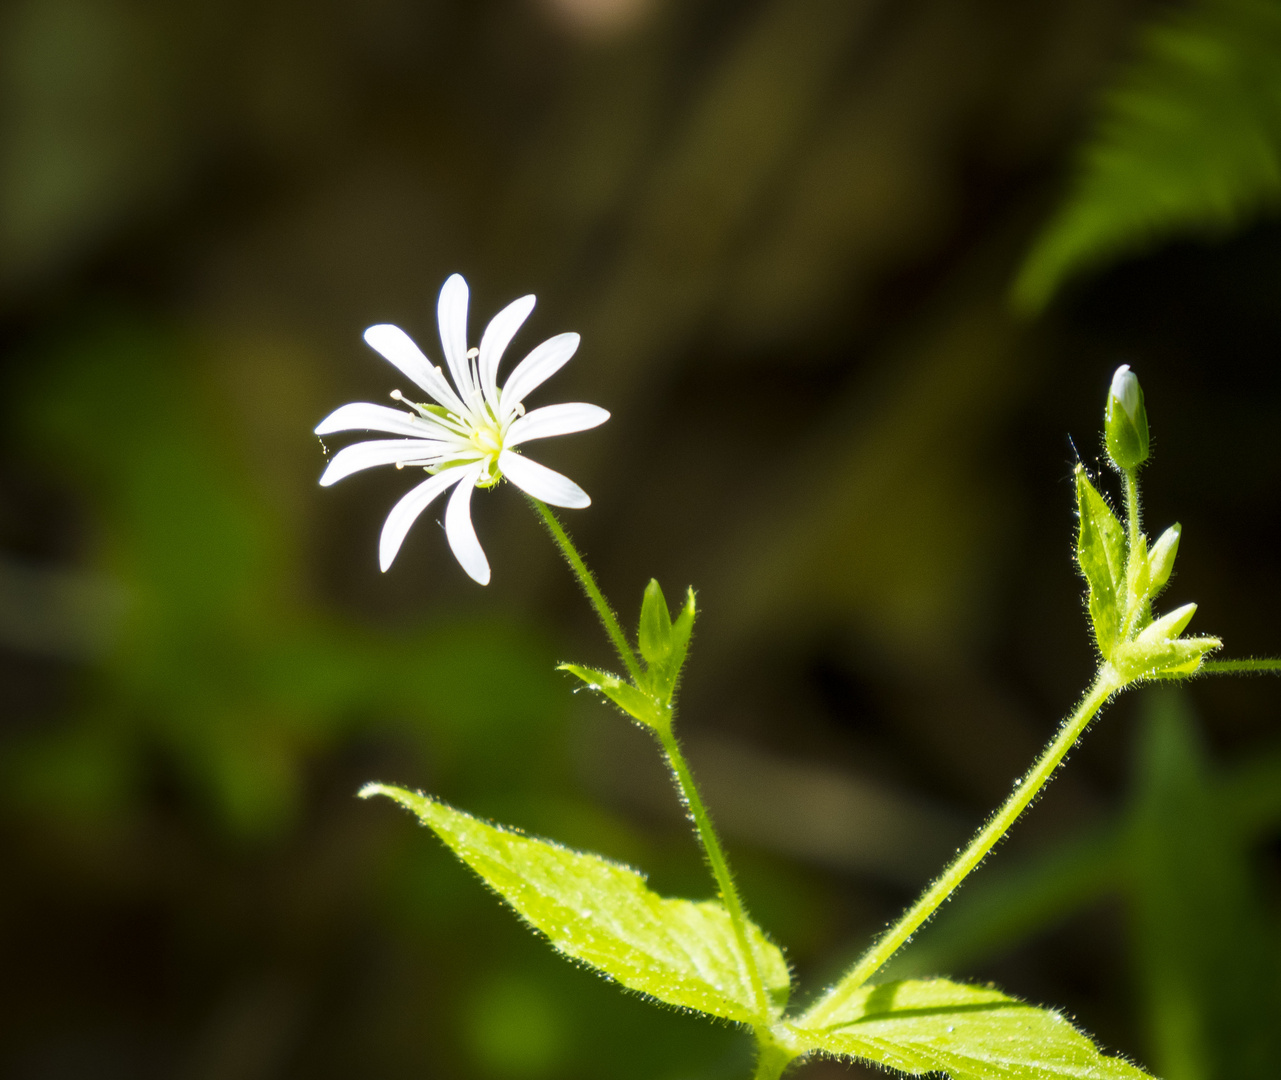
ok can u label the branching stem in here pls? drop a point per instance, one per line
(1105, 685)
(1220, 667)
(676, 760)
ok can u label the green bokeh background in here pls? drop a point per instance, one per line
(786, 230)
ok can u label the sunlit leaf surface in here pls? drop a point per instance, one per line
(682, 952)
(964, 1032)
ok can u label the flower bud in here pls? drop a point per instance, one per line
(1126, 421)
(1161, 560)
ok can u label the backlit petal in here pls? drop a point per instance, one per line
(460, 531)
(539, 366)
(393, 344)
(406, 512)
(498, 335)
(363, 416)
(555, 420)
(451, 314)
(367, 455)
(541, 482)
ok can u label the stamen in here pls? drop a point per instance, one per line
(473, 353)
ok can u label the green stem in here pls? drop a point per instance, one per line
(1212, 667)
(603, 611)
(717, 861)
(1132, 506)
(1105, 685)
(771, 1059)
(680, 769)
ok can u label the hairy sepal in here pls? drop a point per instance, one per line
(682, 952)
(664, 643)
(1100, 551)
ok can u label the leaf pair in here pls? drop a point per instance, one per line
(684, 953)
(1122, 585)
(681, 952)
(664, 644)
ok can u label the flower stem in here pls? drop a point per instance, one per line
(1132, 506)
(771, 1059)
(603, 611)
(1105, 685)
(675, 759)
(717, 861)
(1262, 664)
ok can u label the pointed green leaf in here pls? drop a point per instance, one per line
(655, 635)
(963, 1032)
(679, 951)
(637, 704)
(1100, 550)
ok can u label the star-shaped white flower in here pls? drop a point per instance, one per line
(466, 437)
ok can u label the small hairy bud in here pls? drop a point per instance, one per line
(1126, 421)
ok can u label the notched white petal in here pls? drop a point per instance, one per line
(461, 532)
(451, 314)
(493, 343)
(406, 512)
(553, 420)
(542, 482)
(398, 348)
(364, 416)
(539, 366)
(367, 455)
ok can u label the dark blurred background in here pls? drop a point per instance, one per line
(787, 230)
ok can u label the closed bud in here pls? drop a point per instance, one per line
(1161, 561)
(1126, 421)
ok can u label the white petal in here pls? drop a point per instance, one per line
(539, 366)
(366, 455)
(498, 335)
(393, 344)
(363, 416)
(451, 314)
(555, 420)
(461, 533)
(406, 512)
(541, 482)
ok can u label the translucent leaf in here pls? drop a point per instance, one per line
(1188, 142)
(964, 1032)
(1100, 550)
(655, 626)
(682, 952)
(637, 704)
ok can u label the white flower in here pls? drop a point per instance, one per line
(467, 435)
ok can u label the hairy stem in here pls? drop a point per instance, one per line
(1132, 507)
(680, 769)
(1105, 685)
(771, 1059)
(1262, 664)
(717, 861)
(603, 611)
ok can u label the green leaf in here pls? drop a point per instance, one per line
(1187, 142)
(1100, 549)
(964, 1032)
(682, 952)
(655, 626)
(636, 703)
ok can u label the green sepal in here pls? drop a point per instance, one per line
(1125, 421)
(682, 952)
(664, 644)
(635, 703)
(1161, 559)
(1100, 551)
(655, 635)
(963, 1032)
